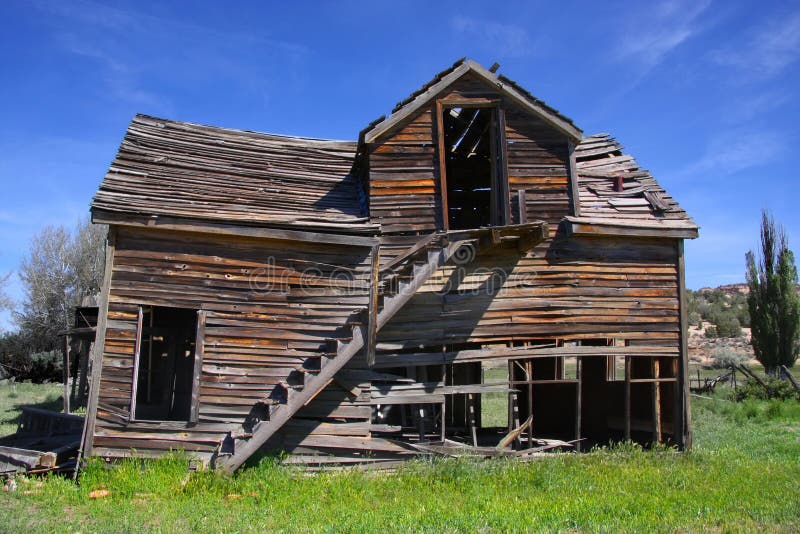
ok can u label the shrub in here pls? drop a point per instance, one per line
(711, 332)
(724, 357)
(728, 326)
(45, 367)
(775, 389)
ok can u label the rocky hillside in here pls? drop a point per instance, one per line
(718, 323)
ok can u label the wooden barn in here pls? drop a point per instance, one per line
(473, 275)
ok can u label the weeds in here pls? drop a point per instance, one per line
(741, 476)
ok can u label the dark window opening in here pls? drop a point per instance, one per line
(469, 169)
(166, 364)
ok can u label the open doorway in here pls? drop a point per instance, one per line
(470, 148)
(165, 369)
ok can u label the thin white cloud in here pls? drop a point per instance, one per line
(117, 40)
(505, 40)
(745, 108)
(653, 31)
(736, 151)
(767, 51)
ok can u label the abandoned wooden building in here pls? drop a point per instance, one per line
(365, 302)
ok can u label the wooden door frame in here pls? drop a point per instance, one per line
(500, 191)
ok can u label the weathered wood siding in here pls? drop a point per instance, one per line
(565, 289)
(269, 305)
(404, 177)
(537, 159)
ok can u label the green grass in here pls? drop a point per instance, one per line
(741, 476)
(14, 395)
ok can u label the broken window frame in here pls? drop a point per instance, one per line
(500, 192)
(194, 406)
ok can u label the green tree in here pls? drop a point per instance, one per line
(60, 269)
(5, 300)
(773, 301)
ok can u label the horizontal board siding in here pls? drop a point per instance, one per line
(269, 305)
(602, 288)
(403, 181)
(537, 160)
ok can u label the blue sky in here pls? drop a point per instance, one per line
(701, 92)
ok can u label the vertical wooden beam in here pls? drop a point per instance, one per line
(522, 206)
(501, 164)
(575, 191)
(372, 319)
(655, 366)
(99, 347)
(197, 372)
(495, 195)
(510, 367)
(529, 378)
(685, 412)
(66, 372)
(578, 392)
(627, 398)
(442, 165)
(443, 410)
(136, 362)
(472, 418)
(83, 370)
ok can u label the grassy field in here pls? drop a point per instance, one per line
(14, 395)
(742, 476)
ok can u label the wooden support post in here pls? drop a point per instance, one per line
(522, 207)
(137, 351)
(578, 389)
(685, 419)
(655, 366)
(97, 354)
(421, 421)
(573, 181)
(83, 371)
(443, 409)
(471, 418)
(372, 314)
(199, 349)
(627, 398)
(66, 372)
(511, 426)
(442, 164)
(529, 378)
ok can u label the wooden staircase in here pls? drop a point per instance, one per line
(302, 385)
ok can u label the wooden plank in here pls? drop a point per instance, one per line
(372, 311)
(627, 415)
(199, 347)
(442, 165)
(574, 189)
(165, 222)
(65, 363)
(99, 346)
(684, 417)
(137, 363)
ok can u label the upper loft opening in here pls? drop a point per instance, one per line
(468, 155)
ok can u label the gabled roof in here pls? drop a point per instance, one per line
(641, 207)
(184, 170)
(447, 77)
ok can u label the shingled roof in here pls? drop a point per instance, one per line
(615, 191)
(184, 170)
